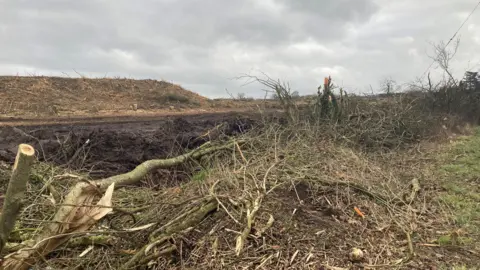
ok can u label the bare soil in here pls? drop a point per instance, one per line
(110, 145)
(84, 97)
(54, 95)
(110, 123)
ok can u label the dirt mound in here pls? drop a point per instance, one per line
(55, 95)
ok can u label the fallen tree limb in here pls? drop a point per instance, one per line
(78, 213)
(187, 221)
(252, 208)
(143, 169)
(180, 218)
(157, 255)
(15, 191)
(99, 240)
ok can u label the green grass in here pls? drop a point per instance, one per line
(200, 176)
(460, 177)
(461, 171)
(447, 240)
(465, 157)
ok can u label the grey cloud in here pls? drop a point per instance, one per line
(202, 44)
(341, 9)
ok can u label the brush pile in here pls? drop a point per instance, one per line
(346, 191)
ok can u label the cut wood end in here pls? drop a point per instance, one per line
(26, 149)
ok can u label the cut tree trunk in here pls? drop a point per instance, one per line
(15, 191)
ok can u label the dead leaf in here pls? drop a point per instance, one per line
(177, 190)
(92, 214)
(105, 203)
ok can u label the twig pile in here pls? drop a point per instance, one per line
(280, 197)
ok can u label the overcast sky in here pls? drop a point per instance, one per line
(203, 44)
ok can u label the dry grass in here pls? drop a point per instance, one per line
(52, 96)
(308, 183)
(296, 196)
(42, 96)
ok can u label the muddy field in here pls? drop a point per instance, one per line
(111, 146)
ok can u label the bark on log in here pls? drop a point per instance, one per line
(15, 191)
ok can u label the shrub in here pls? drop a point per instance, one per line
(172, 97)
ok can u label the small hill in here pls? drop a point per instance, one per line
(37, 96)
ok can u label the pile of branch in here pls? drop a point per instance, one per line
(280, 91)
(385, 124)
(77, 213)
(243, 190)
(370, 123)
